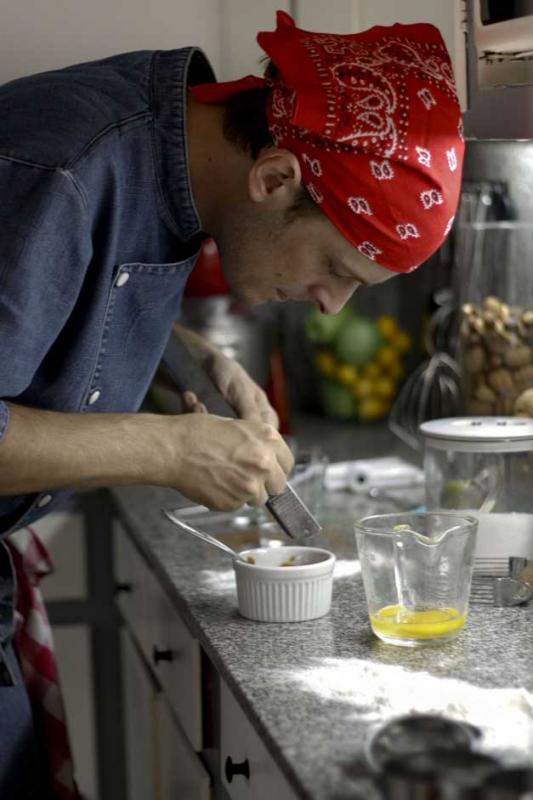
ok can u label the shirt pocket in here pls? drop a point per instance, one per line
(143, 303)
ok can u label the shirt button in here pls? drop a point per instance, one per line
(45, 499)
(93, 397)
(123, 278)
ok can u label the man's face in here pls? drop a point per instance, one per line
(266, 257)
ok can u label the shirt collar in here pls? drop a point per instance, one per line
(174, 70)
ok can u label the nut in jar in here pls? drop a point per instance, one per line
(497, 356)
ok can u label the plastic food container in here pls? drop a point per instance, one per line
(484, 466)
(270, 592)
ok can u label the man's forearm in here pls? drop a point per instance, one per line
(47, 450)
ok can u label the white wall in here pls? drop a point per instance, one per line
(240, 21)
(37, 35)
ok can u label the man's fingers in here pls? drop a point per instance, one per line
(284, 456)
(276, 482)
(192, 405)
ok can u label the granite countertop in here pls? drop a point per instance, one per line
(316, 690)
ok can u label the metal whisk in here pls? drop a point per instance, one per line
(432, 391)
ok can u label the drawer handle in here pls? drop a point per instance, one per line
(123, 588)
(232, 769)
(161, 655)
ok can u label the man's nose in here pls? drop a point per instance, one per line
(331, 300)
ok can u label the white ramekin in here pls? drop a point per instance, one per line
(268, 592)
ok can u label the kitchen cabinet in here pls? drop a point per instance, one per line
(140, 699)
(162, 690)
(175, 658)
(164, 640)
(160, 762)
(248, 770)
(180, 772)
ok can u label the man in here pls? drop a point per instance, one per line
(339, 169)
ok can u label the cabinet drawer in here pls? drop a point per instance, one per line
(248, 771)
(140, 729)
(181, 773)
(169, 648)
(131, 576)
(175, 658)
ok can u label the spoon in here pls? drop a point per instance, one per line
(172, 515)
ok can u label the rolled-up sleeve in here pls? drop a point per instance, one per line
(45, 249)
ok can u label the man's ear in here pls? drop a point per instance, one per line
(275, 178)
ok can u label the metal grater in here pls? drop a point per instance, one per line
(293, 515)
(288, 510)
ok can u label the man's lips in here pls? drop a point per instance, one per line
(282, 297)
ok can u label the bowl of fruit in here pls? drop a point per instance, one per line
(359, 361)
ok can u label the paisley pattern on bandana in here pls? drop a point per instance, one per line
(374, 120)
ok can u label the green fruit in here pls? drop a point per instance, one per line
(322, 328)
(338, 401)
(357, 341)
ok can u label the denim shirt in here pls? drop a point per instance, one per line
(98, 234)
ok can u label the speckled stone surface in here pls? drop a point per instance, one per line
(316, 691)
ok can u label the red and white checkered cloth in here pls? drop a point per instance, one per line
(36, 653)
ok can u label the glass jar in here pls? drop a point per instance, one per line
(494, 285)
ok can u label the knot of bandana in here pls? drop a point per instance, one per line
(374, 121)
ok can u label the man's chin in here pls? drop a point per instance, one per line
(247, 299)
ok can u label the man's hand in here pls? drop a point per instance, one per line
(222, 463)
(247, 399)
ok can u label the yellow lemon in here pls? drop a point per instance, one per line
(325, 362)
(402, 341)
(363, 388)
(346, 374)
(387, 325)
(373, 408)
(387, 355)
(372, 370)
(384, 387)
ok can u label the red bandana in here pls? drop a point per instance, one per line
(374, 120)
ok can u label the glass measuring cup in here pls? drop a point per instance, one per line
(417, 570)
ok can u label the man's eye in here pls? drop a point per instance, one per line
(332, 271)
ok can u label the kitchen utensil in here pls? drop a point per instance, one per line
(412, 734)
(174, 517)
(432, 390)
(522, 569)
(278, 587)
(308, 477)
(287, 509)
(506, 591)
(416, 570)
(484, 466)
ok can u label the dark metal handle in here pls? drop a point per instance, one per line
(122, 588)
(232, 769)
(161, 655)
(188, 374)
